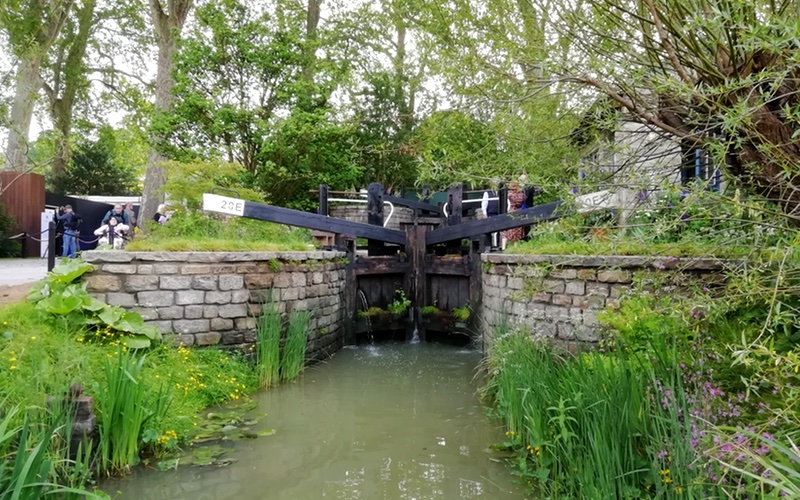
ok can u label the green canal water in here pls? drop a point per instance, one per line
(387, 421)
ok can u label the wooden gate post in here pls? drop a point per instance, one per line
(454, 203)
(416, 251)
(375, 215)
(323, 200)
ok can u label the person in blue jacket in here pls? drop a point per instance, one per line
(72, 223)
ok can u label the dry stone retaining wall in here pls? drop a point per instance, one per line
(210, 298)
(558, 296)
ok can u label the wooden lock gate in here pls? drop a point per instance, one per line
(427, 259)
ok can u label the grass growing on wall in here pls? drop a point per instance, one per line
(293, 356)
(198, 232)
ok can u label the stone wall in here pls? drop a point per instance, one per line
(558, 296)
(210, 298)
(358, 213)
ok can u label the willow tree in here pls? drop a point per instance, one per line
(720, 75)
(494, 58)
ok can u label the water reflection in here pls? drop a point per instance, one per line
(394, 422)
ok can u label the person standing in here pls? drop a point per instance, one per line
(72, 224)
(118, 213)
(516, 198)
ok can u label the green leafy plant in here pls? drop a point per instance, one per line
(400, 304)
(125, 408)
(372, 311)
(293, 356)
(59, 296)
(8, 248)
(429, 310)
(27, 470)
(461, 313)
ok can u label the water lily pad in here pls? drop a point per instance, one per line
(168, 464)
(266, 432)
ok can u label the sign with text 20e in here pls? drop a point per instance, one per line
(223, 204)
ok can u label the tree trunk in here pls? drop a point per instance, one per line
(312, 22)
(70, 78)
(62, 118)
(168, 26)
(28, 84)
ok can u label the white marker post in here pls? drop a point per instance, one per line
(223, 204)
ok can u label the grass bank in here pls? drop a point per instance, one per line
(147, 393)
(685, 397)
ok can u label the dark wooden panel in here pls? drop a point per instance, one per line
(521, 218)
(448, 292)
(297, 218)
(454, 265)
(390, 264)
(24, 200)
(379, 289)
(416, 205)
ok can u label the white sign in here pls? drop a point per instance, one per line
(596, 201)
(45, 219)
(223, 204)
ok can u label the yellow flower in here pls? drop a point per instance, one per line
(33, 337)
(678, 490)
(12, 359)
(12, 367)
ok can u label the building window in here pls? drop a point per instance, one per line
(698, 168)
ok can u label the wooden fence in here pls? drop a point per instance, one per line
(23, 197)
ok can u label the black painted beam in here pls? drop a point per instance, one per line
(261, 211)
(416, 205)
(526, 217)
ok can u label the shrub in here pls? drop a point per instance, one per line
(8, 248)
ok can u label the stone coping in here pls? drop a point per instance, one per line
(101, 256)
(615, 261)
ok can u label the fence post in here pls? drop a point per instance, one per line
(24, 245)
(51, 246)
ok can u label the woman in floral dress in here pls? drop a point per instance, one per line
(516, 198)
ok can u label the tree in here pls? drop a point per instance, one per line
(243, 95)
(68, 80)
(32, 27)
(100, 167)
(168, 20)
(722, 76)
(492, 59)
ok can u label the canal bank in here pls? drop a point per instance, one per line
(386, 421)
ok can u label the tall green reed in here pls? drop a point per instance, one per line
(27, 470)
(269, 345)
(125, 408)
(592, 425)
(294, 350)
